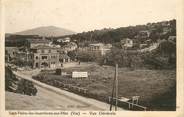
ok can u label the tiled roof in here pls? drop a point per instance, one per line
(97, 44)
(61, 56)
(38, 41)
(44, 47)
(70, 45)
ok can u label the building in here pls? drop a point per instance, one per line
(36, 42)
(165, 23)
(127, 43)
(11, 51)
(71, 46)
(100, 48)
(166, 30)
(24, 56)
(143, 34)
(143, 45)
(172, 39)
(45, 57)
(63, 58)
(64, 40)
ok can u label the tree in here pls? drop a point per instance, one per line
(87, 56)
(72, 54)
(125, 58)
(10, 79)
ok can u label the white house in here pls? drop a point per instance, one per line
(100, 48)
(64, 40)
(127, 43)
(70, 47)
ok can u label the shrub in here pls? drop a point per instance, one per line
(58, 71)
(164, 57)
(124, 58)
(10, 79)
(87, 56)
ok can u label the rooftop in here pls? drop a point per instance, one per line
(97, 44)
(44, 47)
(65, 56)
(38, 41)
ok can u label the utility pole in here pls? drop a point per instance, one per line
(27, 57)
(112, 96)
(8, 57)
(116, 77)
(91, 37)
(115, 87)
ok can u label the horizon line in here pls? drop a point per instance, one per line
(75, 32)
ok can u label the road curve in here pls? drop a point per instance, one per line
(58, 99)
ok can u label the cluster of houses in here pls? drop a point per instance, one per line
(142, 39)
(128, 43)
(97, 48)
(42, 53)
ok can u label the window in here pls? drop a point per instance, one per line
(36, 57)
(44, 57)
(49, 51)
(36, 65)
(53, 57)
(52, 62)
(42, 51)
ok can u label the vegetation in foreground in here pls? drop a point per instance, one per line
(21, 86)
(156, 88)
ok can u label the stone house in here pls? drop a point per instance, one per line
(45, 57)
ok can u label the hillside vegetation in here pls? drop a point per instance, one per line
(116, 35)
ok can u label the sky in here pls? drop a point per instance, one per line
(85, 15)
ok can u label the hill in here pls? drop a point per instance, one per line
(154, 31)
(47, 31)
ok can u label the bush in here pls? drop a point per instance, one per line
(22, 63)
(72, 54)
(26, 87)
(58, 71)
(164, 57)
(124, 58)
(10, 79)
(87, 56)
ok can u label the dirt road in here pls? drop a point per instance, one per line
(51, 98)
(45, 100)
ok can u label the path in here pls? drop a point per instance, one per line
(49, 97)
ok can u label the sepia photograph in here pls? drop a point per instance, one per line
(90, 55)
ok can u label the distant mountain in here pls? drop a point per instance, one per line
(47, 31)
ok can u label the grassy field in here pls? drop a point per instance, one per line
(156, 88)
